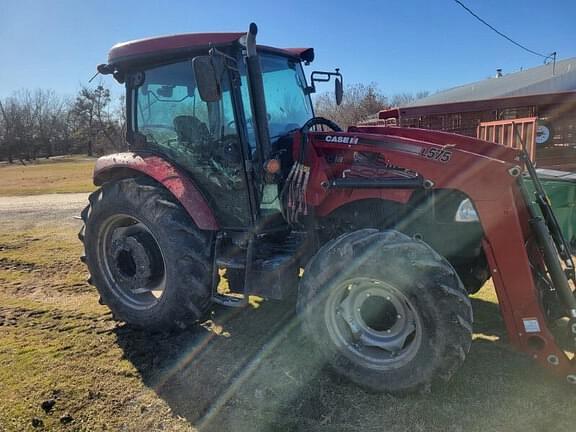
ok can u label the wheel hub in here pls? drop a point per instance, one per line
(132, 262)
(374, 321)
(378, 313)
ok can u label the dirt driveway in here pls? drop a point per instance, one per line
(241, 370)
(54, 208)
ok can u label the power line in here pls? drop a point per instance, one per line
(545, 57)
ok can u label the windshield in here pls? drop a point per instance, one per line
(288, 106)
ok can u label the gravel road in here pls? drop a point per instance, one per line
(59, 208)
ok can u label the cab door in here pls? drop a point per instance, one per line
(288, 108)
(170, 117)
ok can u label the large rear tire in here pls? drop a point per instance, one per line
(386, 311)
(149, 262)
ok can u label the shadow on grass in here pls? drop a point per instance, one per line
(487, 318)
(192, 370)
(253, 370)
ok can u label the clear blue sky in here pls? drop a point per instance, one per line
(402, 45)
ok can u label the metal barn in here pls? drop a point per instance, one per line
(539, 102)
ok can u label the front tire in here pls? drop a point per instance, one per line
(386, 311)
(149, 262)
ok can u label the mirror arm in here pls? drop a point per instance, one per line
(321, 76)
(310, 89)
(215, 51)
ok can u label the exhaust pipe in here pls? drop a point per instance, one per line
(256, 90)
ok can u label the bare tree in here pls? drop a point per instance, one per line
(19, 133)
(13, 116)
(403, 99)
(119, 117)
(41, 123)
(359, 103)
(30, 124)
(49, 112)
(95, 122)
(5, 148)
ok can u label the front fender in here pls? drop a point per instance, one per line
(121, 165)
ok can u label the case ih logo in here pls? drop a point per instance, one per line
(341, 139)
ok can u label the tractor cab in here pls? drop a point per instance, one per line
(189, 100)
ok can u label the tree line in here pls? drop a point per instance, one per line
(40, 124)
(360, 102)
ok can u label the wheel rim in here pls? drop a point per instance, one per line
(373, 323)
(132, 261)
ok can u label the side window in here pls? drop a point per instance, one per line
(170, 110)
(199, 136)
(160, 106)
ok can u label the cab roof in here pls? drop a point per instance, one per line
(160, 46)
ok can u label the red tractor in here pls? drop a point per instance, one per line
(230, 174)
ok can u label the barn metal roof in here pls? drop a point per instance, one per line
(544, 79)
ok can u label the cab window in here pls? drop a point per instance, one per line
(171, 118)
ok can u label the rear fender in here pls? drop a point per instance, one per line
(122, 165)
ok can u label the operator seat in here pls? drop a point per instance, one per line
(193, 131)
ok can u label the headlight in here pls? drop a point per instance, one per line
(466, 212)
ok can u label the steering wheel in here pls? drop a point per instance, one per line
(319, 121)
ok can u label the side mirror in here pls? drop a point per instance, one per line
(321, 76)
(208, 75)
(338, 90)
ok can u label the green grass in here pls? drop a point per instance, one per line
(42, 260)
(69, 354)
(57, 342)
(58, 175)
(241, 371)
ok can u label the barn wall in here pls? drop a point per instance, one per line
(559, 152)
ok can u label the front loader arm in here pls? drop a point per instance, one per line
(493, 185)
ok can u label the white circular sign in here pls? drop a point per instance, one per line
(542, 134)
